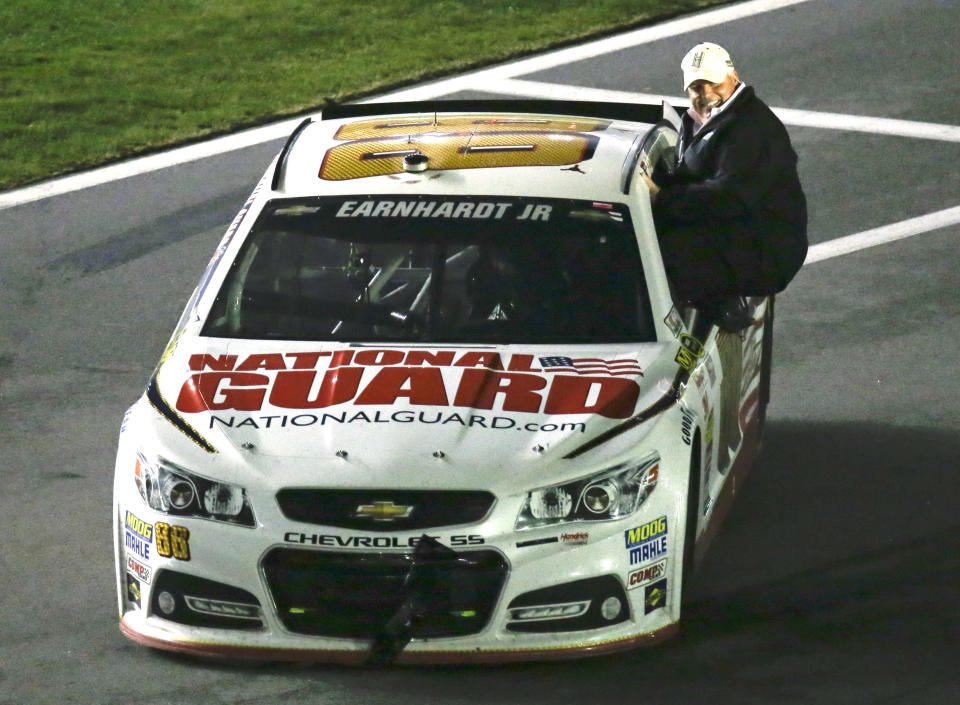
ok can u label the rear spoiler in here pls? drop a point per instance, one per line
(633, 112)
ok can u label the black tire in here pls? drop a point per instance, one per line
(692, 515)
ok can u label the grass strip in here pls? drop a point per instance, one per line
(86, 82)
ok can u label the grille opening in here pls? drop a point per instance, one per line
(198, 602)
(352, 595)
(428, 508)
(589, 595)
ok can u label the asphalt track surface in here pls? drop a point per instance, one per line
(836, 578)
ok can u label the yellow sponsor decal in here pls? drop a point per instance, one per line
(686, 359)
(358, 159)
(692, 344)
(654, 597)
(173, 541)
(651, 529)
(377, 147)
(139, 526)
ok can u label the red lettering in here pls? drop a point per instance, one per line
(489, 360)
(616, 398)
(378, 357)
(521, 363)
(444, 358)
(341, 358)
(479, 388)
(421, 385)
(270, 361)
(221, 362)
(208, 391)
(292, 388)
(305, 360)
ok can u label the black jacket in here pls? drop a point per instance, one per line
(738, 175)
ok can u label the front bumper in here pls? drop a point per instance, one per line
(292, 591)
(413, 655)
(296, 603)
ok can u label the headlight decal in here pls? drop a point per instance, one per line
(611, 494)
(164, 409)
(168, 488)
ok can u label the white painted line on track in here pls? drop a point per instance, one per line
(248, 138)
(789, 116)
(833, 121)
(884, 234)
(500, 79)
(873, 125)
(152, 162)
(477, 79)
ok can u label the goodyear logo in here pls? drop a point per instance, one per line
(651, 530)
(139, 526)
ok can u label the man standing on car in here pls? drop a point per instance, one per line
(732, 218)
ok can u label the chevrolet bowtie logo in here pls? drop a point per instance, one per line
(383, 511)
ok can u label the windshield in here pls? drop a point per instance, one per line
(436, 269)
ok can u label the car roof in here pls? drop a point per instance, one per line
(518, 147)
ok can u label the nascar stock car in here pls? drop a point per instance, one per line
(432, 401)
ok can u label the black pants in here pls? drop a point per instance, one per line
(710, 260)
(693, 256)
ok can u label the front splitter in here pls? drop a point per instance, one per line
(351, 657)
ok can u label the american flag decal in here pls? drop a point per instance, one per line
(590, 366)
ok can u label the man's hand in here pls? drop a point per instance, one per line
(652, 185)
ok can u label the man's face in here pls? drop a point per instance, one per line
(705, 96)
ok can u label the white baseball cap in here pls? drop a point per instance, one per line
(706, 61)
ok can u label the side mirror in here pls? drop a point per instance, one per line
(671, 115)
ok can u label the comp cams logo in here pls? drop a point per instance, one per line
(646, 574)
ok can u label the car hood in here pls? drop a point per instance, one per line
(399, 415)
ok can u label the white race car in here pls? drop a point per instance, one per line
(432, 401)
